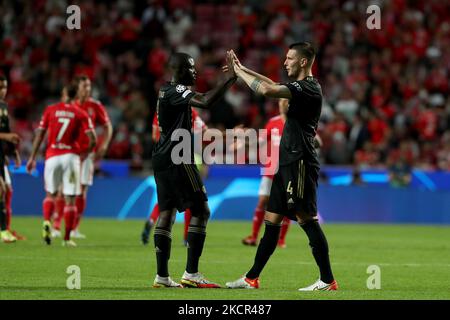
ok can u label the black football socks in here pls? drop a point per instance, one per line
(319, 245)
(163, 243)
(266, 247)
(2, 216)
(195, 241)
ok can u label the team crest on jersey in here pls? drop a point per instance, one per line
(90, 112)
(180, 88)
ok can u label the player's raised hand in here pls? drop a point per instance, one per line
(236, 60)
(226, 68)
(31, 165)
(230, 65)
(11, 137)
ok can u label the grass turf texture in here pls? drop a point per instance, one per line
(414, 263)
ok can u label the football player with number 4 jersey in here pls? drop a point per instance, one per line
(65, 123)
(294, 187)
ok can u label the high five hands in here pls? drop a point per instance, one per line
(232, 63)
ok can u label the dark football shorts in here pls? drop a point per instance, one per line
(294, 189)
(180, 187)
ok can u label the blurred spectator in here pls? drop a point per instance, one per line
(347, 105)
(177, 26)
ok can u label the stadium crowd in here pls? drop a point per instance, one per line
(386, 91)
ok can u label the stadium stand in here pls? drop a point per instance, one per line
(387, 91)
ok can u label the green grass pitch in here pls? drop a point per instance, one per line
(414, 263)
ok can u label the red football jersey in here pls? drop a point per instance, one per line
(273, 123)
(98, 115)
(197, 124)
(65, 124)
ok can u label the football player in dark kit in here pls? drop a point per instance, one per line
(179, 186)
(293, 192)
(8, 142)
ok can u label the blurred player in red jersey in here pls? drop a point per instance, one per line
(8, 199)
(65, 124)
(8, 145)
(272, 140)
(58, 213)
(99, 117)
(199, 126)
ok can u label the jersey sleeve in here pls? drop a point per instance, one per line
(304, 89)
(43, 124)
(180, 96)
(102, 115)
(295, 88)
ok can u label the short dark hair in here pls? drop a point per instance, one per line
(72, 89)
(3, 78)
(178, 60)
(81, 77)
(304, 49)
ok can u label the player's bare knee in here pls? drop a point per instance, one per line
(69, 200)
(166, 219)
(273, 217)
(51, 195)
(303, 218)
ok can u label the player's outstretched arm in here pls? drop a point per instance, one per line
(10, 137)
(259, 86)
(250, 71)
(264, 88)
(40, 134)
(206, 100)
